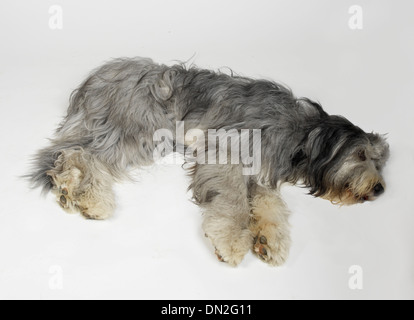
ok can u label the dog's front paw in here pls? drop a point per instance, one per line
(232, 249)
(272, 244)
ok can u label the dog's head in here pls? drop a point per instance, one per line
(343, 163)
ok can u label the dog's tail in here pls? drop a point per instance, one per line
(45, 160)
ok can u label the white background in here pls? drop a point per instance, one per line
(153, 247)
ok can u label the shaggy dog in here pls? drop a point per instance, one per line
(115, 115)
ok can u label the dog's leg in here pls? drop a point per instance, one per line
(82, 184)
(270, 227)
(222, 193)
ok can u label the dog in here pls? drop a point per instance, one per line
(116, 112)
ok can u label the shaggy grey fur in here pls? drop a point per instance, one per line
(114, 114)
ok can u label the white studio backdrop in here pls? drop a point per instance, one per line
(355, 57)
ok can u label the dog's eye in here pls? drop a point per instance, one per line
(361, 155)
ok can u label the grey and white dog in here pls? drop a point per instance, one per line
(114, 114)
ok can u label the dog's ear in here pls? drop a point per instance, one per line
(322, 145)
(320, 149)
(380, 147)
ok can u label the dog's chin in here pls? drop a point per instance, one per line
(348, 197)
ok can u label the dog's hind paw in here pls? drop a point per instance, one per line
(63, 194)
(96, 212)
(66, 192)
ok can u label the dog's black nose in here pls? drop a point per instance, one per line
(378, 190)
